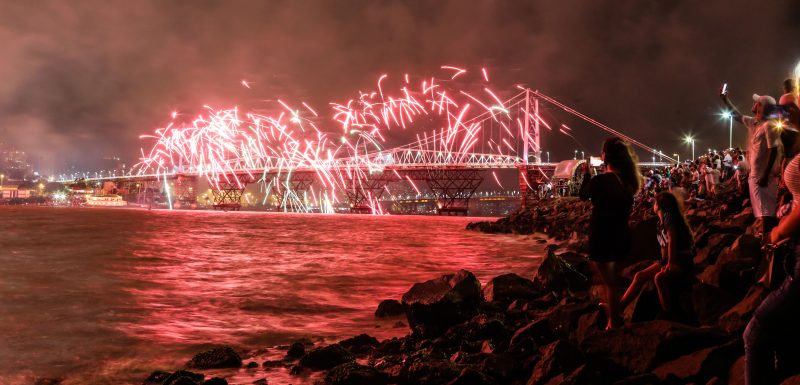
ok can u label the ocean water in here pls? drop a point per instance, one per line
(106, 296)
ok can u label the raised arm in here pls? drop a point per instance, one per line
(737, 116)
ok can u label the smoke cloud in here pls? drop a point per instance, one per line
(80, 81)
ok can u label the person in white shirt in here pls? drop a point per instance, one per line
(765, 151)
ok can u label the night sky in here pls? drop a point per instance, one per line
(80, 80)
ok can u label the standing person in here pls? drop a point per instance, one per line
(611, 194)
(764, 154)
(727, 165)
(790, 136)
(713, 178)
(771, 338)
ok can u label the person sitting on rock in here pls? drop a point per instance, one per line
(612, 195)
(672, 227)
(677, 250)
(772, 337)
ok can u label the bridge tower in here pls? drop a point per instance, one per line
(528, 173)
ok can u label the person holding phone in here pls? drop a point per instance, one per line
(611, 194)
(764, 153)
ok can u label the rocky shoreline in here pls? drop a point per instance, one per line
(543, 329)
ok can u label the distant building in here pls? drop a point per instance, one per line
(12, 191)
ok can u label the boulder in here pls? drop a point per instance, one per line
(734, 269)
(360, 344)
(222, 357)
(639, 379)
(640, 347)
(716, 243)
(794, 380)
(469, 376)
(710, 302)
(296, 350)
(736, 372)
(429, 372)
(501, 367)
(527, 338)
(735, 320)
(389, 308)
(183, 377)
(557, 357)
(564, 273)
(352, 373)
(326, 358)
(702, 365)
(564, 317)
(645, 307)
(156, 378)
(434, 306)
(507, 288)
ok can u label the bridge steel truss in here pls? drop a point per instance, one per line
(288, 183)
(227, 191)
(363, 194)
(452, 187)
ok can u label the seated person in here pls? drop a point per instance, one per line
(677, 253)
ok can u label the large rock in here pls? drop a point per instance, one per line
(716, 243)
(710, 302)
(156, 378)
(642, 346)
(352, 373)
(736, 372)
(469, 376)
(702, 365)
(507, 288)
(734, 270)
(389, 308)
(222, 357)
(557, 357)
(564, 273)
(794, 380)
(326, 358)
(735, 320)
(434, 306)
(183, 377)
(429, 372)
(360, 344)
(296, 350)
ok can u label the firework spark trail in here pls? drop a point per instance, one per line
(226, 145)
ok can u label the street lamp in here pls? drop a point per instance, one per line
(576, 155)
(728, 115)
(548, 156)
(690, 140)
(678, 156)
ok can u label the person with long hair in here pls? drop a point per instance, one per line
(672, 225)
(611, 194)
(677, 249)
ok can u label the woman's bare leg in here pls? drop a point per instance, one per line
(639, 280)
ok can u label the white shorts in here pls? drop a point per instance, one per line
(764, 199)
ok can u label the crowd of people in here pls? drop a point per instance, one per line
(767, 173)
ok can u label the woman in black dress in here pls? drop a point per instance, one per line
(611, 194)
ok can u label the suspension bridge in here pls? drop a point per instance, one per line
(287, 154)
